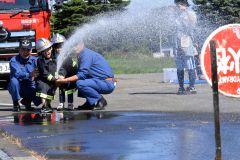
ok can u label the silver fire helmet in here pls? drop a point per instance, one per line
(58, 38)
(43, 44)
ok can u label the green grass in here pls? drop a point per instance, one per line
(138, 63)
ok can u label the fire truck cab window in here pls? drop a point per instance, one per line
(22, 4)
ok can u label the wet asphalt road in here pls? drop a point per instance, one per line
(144, 119)
(126, 135)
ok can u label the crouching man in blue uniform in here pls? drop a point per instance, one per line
(94, 77)
(22, 86)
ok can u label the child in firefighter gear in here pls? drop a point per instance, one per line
(69, 68)
(22, 87)
(46, 80)
(57, 42)
(185, 23)
(93, 78)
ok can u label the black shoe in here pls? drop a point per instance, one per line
(16, 108)
(46, 110)
(100, 104)
(181, 91)
(29, 108)
(49, 106)
(191, 90)
(25, 102)
(86, 106)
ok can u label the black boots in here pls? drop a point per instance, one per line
(16, 107)
(86, 106)
(27, 104)
(100, 105)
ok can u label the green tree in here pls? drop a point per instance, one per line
(219, 11)
(213, 14)
(77, 12)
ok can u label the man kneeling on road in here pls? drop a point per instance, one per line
(22, 86)
(94, 77)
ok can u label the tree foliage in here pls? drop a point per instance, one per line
(77, 12)
(213, 14)
(219, 11)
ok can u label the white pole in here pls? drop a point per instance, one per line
(160, 41)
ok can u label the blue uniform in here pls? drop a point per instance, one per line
(95, 76)
(21, 84)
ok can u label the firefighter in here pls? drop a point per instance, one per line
(69, 68)
(93, 78)
(46, 67)
(22, 86)
(57, 42)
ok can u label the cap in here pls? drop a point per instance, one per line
(25, 43)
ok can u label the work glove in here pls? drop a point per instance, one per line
(34, 74)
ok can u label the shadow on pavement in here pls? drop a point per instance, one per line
(152, 93)
(5, 109)
(3, 85)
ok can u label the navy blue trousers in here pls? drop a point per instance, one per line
(23, 89)
(91, 89)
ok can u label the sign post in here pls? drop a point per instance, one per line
(215, 100)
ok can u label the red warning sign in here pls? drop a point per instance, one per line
(228, 59)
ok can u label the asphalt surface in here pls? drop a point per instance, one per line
(140, 92)
(101, 135)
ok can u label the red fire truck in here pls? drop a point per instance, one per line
(21, 19)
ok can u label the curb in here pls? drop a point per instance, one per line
(11, 151)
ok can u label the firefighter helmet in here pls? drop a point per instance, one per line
(43, 44)
(58, 38)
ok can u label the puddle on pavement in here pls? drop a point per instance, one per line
(125, 135)
(56, 117)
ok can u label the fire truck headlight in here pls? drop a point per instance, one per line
(1, 24)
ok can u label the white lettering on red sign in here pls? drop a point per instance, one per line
(223, 59)
(34, 20)
(229, 79)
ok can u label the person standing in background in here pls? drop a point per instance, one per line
(184, 56)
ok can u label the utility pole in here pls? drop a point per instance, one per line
(160, 41)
